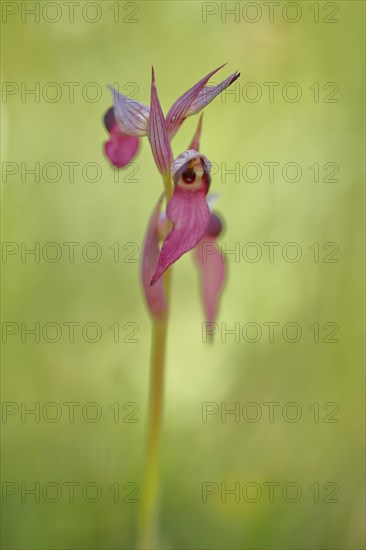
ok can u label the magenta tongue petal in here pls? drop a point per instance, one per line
(190, 214)
(155, 295)
(212, 269)
(120, 148)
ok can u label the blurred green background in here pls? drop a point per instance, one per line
(120, 47)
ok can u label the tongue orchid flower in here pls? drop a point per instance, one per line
(127, 121)
(187, 222)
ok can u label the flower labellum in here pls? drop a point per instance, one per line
(121, 148)
(125, 122)
(187, 209)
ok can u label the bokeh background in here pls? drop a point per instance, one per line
(120, 47)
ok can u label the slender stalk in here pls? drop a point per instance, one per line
(148, 528)
(168, 185)
(149, 504)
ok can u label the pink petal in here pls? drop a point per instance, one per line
(212, 269)
(121, 148)
(207, 94)
(131, 115)
(157, 133)
(195, 143)
(178, 111)
(155, 296)
(190, 214)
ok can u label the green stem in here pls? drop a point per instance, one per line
(148, 528)
(168, 185)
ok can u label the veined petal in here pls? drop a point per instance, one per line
(155, 295)
(131, 115)
(157, 132)
(187, 209)
(207, 94)
(195, 143)
(212, 268)
(178, 111)
(120, 148)
(190, 214)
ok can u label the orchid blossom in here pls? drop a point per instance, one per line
(187, 224)
(187, 221)
(129, 118)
